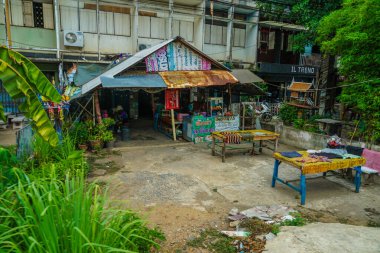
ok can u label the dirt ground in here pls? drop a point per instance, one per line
(184, 190)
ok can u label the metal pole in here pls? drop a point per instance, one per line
(56, 27)
(97, 25)
(7, 24)
(78, 13)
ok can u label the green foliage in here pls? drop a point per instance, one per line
(307, 13)
(288, 114)
(7, 162)
(213, 240)
(297, 221)
(108, 122)
(22, 79)
(299, 123)
(49, 215)
(79, 133)
(59, 160)
(107, 136)
(352, 33)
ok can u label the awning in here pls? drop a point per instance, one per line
(133, 81)
(250, 89)
(299, 86)
(246, 76)
(285, 26)
(202, 78)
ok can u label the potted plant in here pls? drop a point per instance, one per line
(109, 139)
(95, 137)
(80, 134)
(109, 123)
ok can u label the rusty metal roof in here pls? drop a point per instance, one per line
(300, 86)
(203, 78)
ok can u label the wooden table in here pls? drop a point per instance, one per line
(313, 168)
(242, 135)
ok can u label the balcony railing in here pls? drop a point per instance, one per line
(310, 60)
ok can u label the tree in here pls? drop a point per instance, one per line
(307, 13)
(22, 79)
(353, 34)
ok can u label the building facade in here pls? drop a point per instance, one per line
(93, 31)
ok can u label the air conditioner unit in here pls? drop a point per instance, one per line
(143, 46)
(73, 38)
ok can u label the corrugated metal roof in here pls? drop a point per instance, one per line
(124, 65)
(285, 26)
(299, 86)
(246, 76)
(136, 81)
(201, 78)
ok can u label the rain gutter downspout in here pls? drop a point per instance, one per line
(56, 27)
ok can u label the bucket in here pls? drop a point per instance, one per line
(125, 134)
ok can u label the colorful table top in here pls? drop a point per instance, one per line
(248, 133)
(319, 167)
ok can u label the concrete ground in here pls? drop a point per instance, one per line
(7, 137)
(183, 189)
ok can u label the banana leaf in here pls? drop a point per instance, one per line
(18, 87)
(31, 74)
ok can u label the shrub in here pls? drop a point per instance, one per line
(288, 114)
(49, 215)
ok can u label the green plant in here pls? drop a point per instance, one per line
(299, 123)
(61, 159)
(49, 215)
(108, 122)
(288, 114)
(7, 162)
(107, 136)
(79, 133)
(297, 220)
(213, 240)
(22, 79)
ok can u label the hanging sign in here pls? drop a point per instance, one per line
(171, 99)
(227, 123)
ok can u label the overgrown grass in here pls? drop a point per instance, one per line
(50, 215)
(214, 241)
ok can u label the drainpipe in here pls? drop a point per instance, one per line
(135, 31)
(78, 14)
(230, 34)
(8, 37)
(56, 27)
(97, 25)
(170, 29)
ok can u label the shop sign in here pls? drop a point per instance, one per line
(176, 56)
(202, 128)
(287, 69)
(227, 123)
(171, 99)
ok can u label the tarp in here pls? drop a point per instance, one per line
(246, 76)
(87, 72)
(134, 81)
(189, 79)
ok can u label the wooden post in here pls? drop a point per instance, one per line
(173, 125)
(93, 109)
(97, 107)
(7, 24)
(230, 92)
(243, 119)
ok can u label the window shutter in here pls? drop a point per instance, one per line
(187, 30)
(48, 16)
(122, 24)
(144, 26)
(28, 13)
(69, 18)
(16, 13)
(158, 30)
(271, 40)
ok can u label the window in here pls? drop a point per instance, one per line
(38, 15)
(239, 37)
(215, 33)
(32, 14)
(264, 40)
(184, 29)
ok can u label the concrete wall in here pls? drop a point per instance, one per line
(303, 139)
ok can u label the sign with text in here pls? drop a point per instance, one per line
(171, 99)
(227, 123)
(202, 128)
(287, 69)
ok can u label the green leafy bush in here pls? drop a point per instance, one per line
(59, 160)
(50, 215)
(79, 133)
(7, 161)
(288, 114)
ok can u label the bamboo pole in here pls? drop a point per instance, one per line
(97, 107)
(7, 23)
(173, 125)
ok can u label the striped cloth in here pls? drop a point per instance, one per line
(232, 137)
